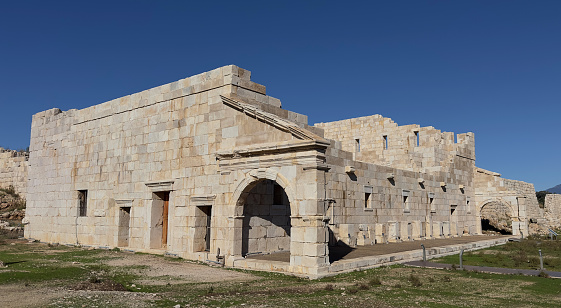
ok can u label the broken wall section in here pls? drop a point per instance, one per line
(519, 196)
(552, 210)
(379, 140)
(13, 170)
(527, 191)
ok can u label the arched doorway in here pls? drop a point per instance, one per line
(266, 225)
(496, 217)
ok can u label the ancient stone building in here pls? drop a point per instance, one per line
(212, 163)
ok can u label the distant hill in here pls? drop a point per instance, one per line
(555, 190)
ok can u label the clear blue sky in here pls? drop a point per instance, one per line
(490, 67)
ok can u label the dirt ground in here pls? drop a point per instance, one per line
(77, 277)
(153, 270)
(160, 272)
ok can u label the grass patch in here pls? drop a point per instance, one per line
(74, 268)
(519, 255)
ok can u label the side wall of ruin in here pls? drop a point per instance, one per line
(552, 210)
(378, 204)
(13, 170)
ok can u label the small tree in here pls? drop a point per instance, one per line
(541, 197)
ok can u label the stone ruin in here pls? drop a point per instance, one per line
(13, 170)
(13, 187)
(211, 163)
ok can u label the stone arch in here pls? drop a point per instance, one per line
(264, 226)
(497, 215)
(252, 178)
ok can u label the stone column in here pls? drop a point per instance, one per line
(309, 252)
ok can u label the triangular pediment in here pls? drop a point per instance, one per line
(272, 120)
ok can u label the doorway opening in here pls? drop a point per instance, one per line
(496, 218)
(159, 225)
(203, 219)
(124, 226)
(266, 223)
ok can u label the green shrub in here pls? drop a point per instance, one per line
(415, 280)
(375, 281)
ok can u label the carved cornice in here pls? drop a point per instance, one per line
(273, 120)
(276, 148)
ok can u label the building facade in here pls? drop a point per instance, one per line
(211, 163)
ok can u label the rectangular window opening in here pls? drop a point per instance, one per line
(368, 191)
(452, 209)
(357, 145)
(406, 205)
(431, 203)
(82, 203)
(385, 142)
(416, 138)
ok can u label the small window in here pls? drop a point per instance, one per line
(385, 142)
(357, 145)
(82, 203)
(406, 205)
(416, 138)
(431, 203)
(368, 190)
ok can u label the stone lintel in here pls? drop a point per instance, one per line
(160, 186)
(124, 202)
(203, 200)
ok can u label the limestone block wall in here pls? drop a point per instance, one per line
(376, 204)
(380, 140)
(552, 210)
(135, 154)
(13, 170)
